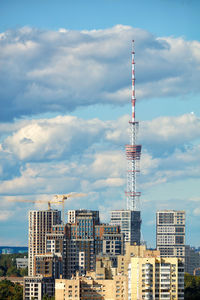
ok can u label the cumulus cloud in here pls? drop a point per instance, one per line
(5, 215)
(196, 211)
(180, 165)
(58, 155)
(58, 71)
(164, 134)
(49, 139)
(62, 137)
(74, 147)
(109, 163)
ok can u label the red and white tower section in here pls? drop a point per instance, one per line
(133, 151)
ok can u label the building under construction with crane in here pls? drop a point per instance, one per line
(130, 219)
(59, 249)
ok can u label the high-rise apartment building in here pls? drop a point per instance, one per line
(170, 233)
(86, 237)
(40, 223)
(130, 224)
(56, 250)
(192, 260)
(156, 278)
(73, 214)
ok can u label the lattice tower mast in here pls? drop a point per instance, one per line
(133, 151)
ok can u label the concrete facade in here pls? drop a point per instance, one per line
(156, 278)
(35, 287)
(170, 233)
(40, 223)
(89, 288)
(130, 224)
(192, 260)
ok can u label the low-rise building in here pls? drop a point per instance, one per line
(22, 263)
(104, 283)
(87, 287)
(35, 287)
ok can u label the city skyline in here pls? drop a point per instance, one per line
(66, 101)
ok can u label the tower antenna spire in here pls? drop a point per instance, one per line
(133, 151)
(133, 99)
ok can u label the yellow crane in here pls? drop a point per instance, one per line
(60, 199)
(32, 201)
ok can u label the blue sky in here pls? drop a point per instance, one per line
(65, 106)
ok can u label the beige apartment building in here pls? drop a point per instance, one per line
(88, 287)
(156, 278)
(40, 223)
(141, 274)
(99, 285)
(123, 261)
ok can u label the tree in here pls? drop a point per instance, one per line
(12, 271)
(8, 265)
(10, 291)
(46, 297)
(192, 287)
(18, 292)
(23, 272)
(5, 286)
(2, 272)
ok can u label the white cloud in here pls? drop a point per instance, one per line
(46, 139)
(148, 163)
(6, 214)
(58, 71)
(43, 157)
(109, 182)
(109, 163)
(170, 132)
(44, 150)
(196, 211)
(195, 199)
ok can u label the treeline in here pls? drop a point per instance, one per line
(10, 291)
(192, 287)
(8, 266)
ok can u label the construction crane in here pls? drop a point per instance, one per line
(60, 199)
(33, 201)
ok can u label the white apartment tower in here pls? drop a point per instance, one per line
(71, 216)
(130, 224)
(170, 233)
(40, 223)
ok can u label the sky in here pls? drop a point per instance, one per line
(65, 104)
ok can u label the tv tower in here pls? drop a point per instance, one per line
(133, 151)
(130, 220)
